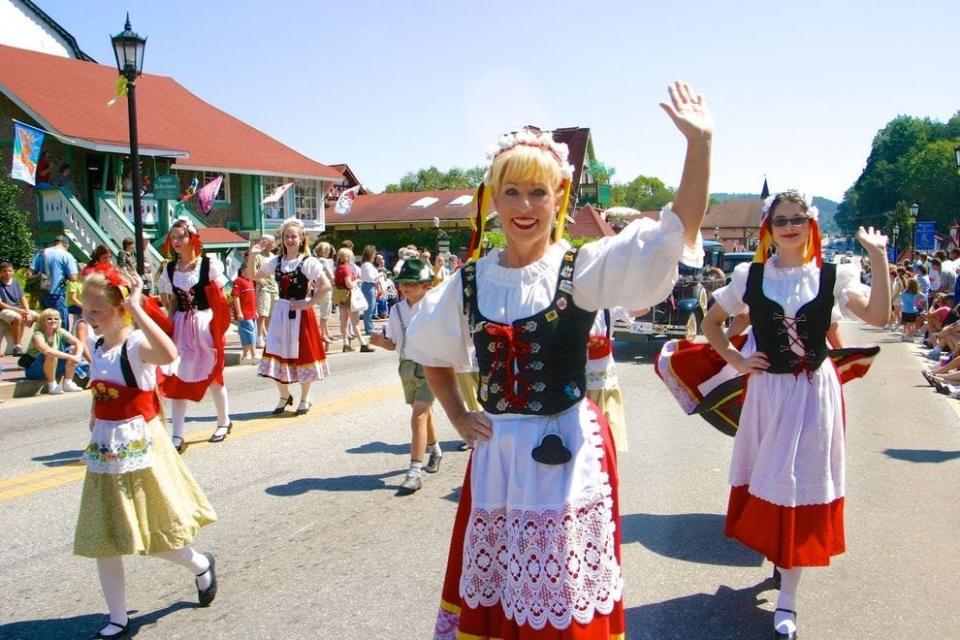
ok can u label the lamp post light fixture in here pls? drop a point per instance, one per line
(716, 232)
(896, 232)
(956, 152)
(128, 48)
(914, 210)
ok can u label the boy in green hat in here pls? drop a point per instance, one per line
(414, 279)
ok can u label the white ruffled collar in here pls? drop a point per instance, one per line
(493, 270)
(772, 269)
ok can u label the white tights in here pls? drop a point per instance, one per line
(789, 582)
(113, 585)
(178, 409)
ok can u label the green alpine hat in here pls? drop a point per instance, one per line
(414, 270)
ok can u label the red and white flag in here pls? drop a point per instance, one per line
(345, 201)
(208, 193)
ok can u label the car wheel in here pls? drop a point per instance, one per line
(693, 326)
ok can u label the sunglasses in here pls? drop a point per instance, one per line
(795, 221)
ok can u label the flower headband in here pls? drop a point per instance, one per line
(812, 211)
(529, 138)
(187, 223)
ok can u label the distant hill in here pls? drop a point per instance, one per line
(827, 207)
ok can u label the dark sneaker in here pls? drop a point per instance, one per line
(433, 463)
(365, 348)
(410, 484)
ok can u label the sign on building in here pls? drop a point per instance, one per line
(167, 187)
(924, 234)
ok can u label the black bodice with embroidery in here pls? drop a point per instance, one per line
(777, 335)
(292, 285)
(536, 365)
(194, 298)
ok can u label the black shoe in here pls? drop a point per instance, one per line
(206, 596)
(179, 444)
(433, 463)
(218, 435)
(124, 632)
(283, 405)
(410, 484)
(786, 636)
(776, 578)
(365, 348)
(464, 447)
(303, 407)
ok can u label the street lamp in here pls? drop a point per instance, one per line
(896, 232)
(128, 48)
(914, 209)
(716, 232)
(956, 152)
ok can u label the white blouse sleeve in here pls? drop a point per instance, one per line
(144, 373)
(312, 268)
(438, 335)
(847, 285)
(636, 268)
(730, 297)
(217, 272)
(164, 285)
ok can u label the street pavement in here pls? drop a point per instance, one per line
(313, 542)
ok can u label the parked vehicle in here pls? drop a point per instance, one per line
(732, 259)
(681, 314)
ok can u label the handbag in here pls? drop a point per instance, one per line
(26, 360)
(358, 303)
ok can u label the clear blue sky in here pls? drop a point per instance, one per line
(798, 89)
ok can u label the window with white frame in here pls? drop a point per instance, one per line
(304, 199)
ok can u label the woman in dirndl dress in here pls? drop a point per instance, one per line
(787, 474)
(535, 550)
(191, 287)
(294, 349)
(138, 496)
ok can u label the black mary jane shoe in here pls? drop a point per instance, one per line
(179, 444)
(786, 636)
(206, 596)
(124, 632)
(283, 406)
(302, 408)
(220, 437)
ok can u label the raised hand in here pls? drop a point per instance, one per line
(873, 240)
(135, 297)
(255, 250)
(688, 111)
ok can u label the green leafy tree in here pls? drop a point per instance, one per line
(601, 172)
(643, 192)
(432, 179)
(16, 241)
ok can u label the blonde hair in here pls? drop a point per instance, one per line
(344, 256)
(524, 163)
(294, 222)
(323, 249)
(97, 283)
(46, 314)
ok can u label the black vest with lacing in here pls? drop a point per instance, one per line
(536, 365)
(292, 285)
(194, 298)
(775, 333)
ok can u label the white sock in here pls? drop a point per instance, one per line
(783, 622)
(196, 562)
(178, 415)
(434, 449)
(416, 468)
(112, 585)
(222, 403)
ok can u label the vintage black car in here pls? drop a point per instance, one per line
(682, 312)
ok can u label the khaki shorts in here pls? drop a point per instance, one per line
(10, 316)
(265, 302)
(341, 297)
(415, 388)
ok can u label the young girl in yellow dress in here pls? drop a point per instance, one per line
(138, 496)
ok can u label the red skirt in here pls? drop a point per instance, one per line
(311, 361)
(802, 536)
(457, 621)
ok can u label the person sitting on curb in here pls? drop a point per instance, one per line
(414, 279)
(14, 310)
(56, 354)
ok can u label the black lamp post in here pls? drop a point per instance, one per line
(716, 232)
(956, 152)
(896, 232)
(128, 47)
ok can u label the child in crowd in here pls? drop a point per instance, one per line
(13, 306)
(414, 279)
(138, 496)
(911, 304)
(245, 310)
(56, 354)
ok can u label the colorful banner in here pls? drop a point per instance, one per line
(276, 194)
(27, 142)
(345, 201)
(208, 193)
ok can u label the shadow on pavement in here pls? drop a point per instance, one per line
(84, 626)
(693, 537)
(922, 455)
(399, 448)
(729, 614)
(345, 483)
(60, 459)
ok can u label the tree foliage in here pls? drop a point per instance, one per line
(432, 179)
(643, 192)
(911, 160)
(601, 172)
(16, 241)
